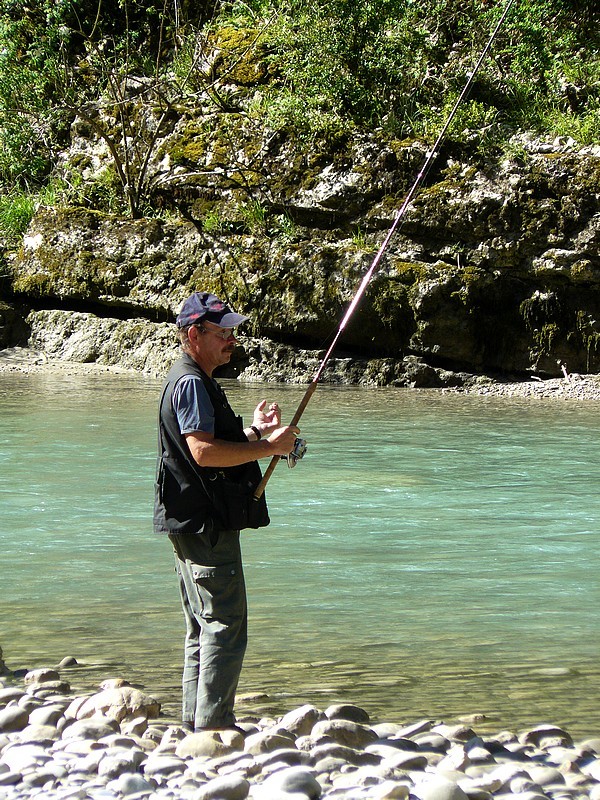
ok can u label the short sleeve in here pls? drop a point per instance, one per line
(192, 406)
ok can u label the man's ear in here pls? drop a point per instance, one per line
(194, 333)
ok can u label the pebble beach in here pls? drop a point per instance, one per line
(112, 743)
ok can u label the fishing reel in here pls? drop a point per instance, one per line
(296, 454)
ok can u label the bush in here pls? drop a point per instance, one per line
(401, 63)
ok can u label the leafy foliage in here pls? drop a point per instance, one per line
(397, 63)
(322, 68)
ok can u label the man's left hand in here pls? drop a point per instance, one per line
(267, 420)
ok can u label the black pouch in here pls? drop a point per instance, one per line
(233, 501)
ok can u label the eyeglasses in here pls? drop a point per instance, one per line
(222, 333)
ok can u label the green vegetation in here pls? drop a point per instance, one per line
(125, 71)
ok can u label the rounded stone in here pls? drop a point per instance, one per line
(301, 720)
(592, 768)
(48, 688)
(10, 693)
(13, 718)
(390, 790)
(401, 759)
(46, 715)
(230, 787)
(348, 754)
(439, 788)
(532, 794)
(164, 765)
(39, 733)
(545, 736)
(119, 703)
(544, 776)
(30, 703)
(595, 792)
(265, 742)
(432, 740)
(37, 779)
(10, 778)
(294, 780)
(90, 729)
(349, 712)
(345, 732)
(41, 676)
(288, 756)
(68, 661)
(119, 762)
(130, 783)
(208, 743)
(22, 757)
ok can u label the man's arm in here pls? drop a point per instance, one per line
(210, 452)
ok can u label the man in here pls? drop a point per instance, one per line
(206, 474)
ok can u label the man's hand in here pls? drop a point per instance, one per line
(267, 421)
(283, 440)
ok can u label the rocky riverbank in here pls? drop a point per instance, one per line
(113, 744)
(574, 387)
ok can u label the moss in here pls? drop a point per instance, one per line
(585, 327)
(241, 56)
(37, 284)
(547, 320)
(410, 272)
(545, 337)
(190, 146)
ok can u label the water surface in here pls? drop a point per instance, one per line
(433, 555)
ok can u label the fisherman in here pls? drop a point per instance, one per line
(207, 471)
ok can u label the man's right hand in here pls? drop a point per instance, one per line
(283, 439)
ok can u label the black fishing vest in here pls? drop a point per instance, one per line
(194, 499)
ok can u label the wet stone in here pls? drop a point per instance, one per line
(40, 676)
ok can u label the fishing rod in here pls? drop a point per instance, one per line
(396, 225)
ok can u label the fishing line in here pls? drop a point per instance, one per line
(396, 225)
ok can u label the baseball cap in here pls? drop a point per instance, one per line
(205, 306)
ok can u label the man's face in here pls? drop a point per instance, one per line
(211, 344)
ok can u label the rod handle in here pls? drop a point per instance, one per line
(258, 492)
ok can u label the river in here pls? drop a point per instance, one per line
(433, 556)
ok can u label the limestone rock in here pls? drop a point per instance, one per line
(345, 732)
(301, 720)
(38, 676)
(118, 704)
(210, 743)
(266, 742)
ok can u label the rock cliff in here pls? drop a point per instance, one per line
(495, 268)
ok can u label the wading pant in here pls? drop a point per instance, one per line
(213, 597)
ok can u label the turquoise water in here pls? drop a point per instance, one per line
(433, 555)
